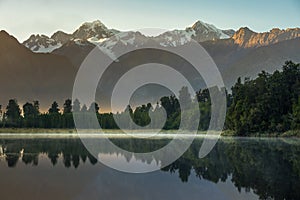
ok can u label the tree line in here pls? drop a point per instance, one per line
(29, 116)
(267, 104)
(270, 103)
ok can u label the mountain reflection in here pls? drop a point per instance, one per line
(270, 167)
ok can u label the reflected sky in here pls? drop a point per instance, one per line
(93, 181)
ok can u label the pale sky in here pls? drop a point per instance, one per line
(22, 18)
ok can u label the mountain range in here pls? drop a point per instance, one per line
(44, 67)
(96, 32)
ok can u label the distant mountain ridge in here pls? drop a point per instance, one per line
(44, 67)
(96, 33)
(247, 38)
(27, 76)
(42, 43)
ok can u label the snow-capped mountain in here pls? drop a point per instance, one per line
(175, 38)
(204, 32)
(41, 43)
(244, 54)
(124, 39)
(98, 34)
(94, 32)
(199, 32)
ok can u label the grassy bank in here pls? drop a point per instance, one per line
(291, 133)
(35, 130)
(227, 133)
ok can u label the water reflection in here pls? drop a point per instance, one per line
(268, 167)
(71, 151)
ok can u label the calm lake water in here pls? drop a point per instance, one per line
(235, 169)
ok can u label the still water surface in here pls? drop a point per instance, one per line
(235, 169)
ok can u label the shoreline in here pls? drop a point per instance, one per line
(115, 133)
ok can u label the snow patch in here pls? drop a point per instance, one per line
(43, 49)
(92, 25)
(96, 41)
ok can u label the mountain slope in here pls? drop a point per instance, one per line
(242, 53)
(199, 32)
(30, 76)
(247, 38)
(95, 32)
(75, 51)
(61, 37)
(41, 43)
(268, 58)
(92, 31)
(204, 32)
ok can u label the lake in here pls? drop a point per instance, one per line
(237, 168)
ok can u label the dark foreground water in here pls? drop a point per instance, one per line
(235, 169)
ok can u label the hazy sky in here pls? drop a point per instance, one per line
(22, 18)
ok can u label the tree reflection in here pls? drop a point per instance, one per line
(12, 160)
(271, 168)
